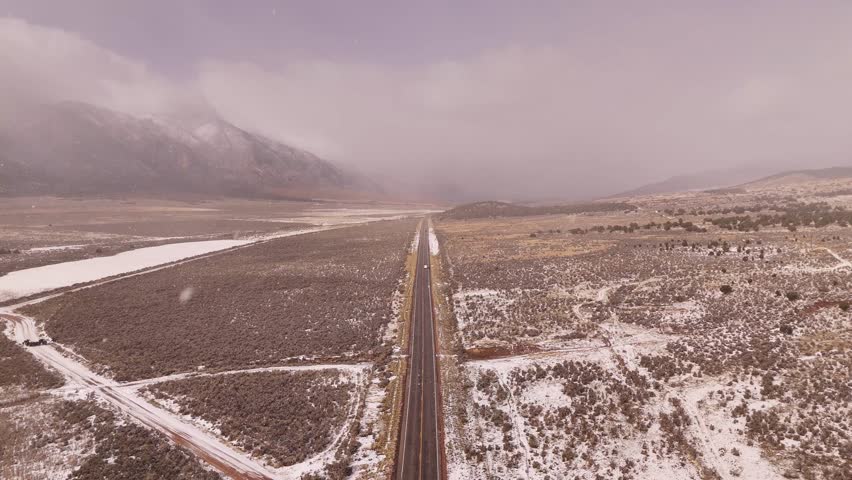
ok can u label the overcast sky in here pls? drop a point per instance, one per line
(501, 99)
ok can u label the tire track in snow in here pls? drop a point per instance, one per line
(349, 368)
(223, 457)
(198, 441)
(202, 444)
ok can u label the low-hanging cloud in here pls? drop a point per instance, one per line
(45, 64)
(530, 122)
(558, 120)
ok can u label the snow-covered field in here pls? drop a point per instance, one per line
(434, 247)
(22, 283)
(538, 417)
(41, 279)
(50, 460)
(350, 216)
(197, 437)
(666, 354)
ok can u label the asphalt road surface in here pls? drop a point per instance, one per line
(419, 448)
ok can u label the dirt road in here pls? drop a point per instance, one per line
(224, 458)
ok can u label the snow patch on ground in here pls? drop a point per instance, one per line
(467, 313)
(49, 460)
(547, 392)
(416, 242)
(367, 458)
(289, 233)
(54, 248)
(684, 312)
(803, 267)
(527, 460)
(718, 436)
(125, 398)
(40, 279)
(434, 248)
(349, 216)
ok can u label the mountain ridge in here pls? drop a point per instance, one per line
(79, 148)
(799, 175)
(696, 181)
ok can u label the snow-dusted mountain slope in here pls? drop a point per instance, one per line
(71, 148)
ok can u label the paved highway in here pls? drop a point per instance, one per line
(419, 454)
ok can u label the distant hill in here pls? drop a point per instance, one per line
(77, 148)
(697, 181)
(798, 176)
(494, 209)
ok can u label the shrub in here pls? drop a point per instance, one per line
(127, 450)
(322, 295)
(18, 367)
(286, 415)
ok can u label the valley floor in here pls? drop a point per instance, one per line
(653, 343)
(319, 411)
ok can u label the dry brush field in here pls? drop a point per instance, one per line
(19, 369)
(646, 352)
(79, 440)
(332, 297)
(280, 417)
(292, 303)
(47, 436)
(38, 231)
(319, 296)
